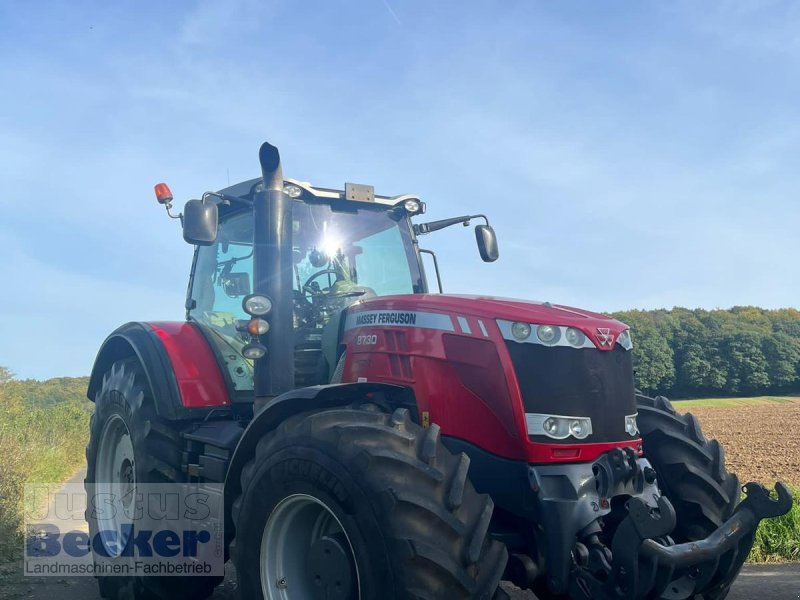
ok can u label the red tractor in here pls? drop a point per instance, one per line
(377, 441)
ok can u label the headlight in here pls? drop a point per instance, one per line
(562, 336)
(576, 428)
(254, 351)
(256, 305)
(558, 427)
(551, 426)
(412, 206)
(625, 340)
(548, 334)
(631, 427)
(575, 337)
(521, 331)
(407, 205)
(257, 327)
(292, 191)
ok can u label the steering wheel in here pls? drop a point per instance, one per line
(308, 290)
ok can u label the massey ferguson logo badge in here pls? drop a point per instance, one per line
(604, 336)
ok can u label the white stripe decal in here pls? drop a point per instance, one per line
(398, 318)
(462, 322)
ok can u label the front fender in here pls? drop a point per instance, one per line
(181, 369)
(318, 397)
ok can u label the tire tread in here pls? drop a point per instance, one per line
(434, 522)
(159, 444)
(690, 471)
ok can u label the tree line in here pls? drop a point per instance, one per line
(682, 353)
(687, 353)
(35, 393)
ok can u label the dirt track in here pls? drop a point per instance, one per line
(776, 582)
(760, 441)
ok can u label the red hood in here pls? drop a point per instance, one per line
(490, 307)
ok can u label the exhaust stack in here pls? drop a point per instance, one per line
(272, 275)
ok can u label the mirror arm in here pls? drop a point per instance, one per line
(225, 198)
(168, 206)
(423, 228)
(207, 195)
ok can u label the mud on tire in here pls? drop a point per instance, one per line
(416, 526)
(156, 444)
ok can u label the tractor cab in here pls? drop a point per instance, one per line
(346, 246)
(342, 251)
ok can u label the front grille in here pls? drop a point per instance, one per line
(577, 382)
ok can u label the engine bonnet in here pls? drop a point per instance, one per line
(596, 326)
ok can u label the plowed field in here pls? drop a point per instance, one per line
(761, 438)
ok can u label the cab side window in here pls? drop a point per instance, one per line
(223, 275)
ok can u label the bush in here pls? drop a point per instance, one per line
(39, 443)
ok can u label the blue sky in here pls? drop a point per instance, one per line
(628, 154)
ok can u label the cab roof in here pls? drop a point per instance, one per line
(245, 190)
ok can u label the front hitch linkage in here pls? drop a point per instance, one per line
(643, 567)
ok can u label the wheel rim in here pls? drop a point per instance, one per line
(306, 553)
(115, 479)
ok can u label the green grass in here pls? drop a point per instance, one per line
(39, 443)
(778, 540)
(732, 402)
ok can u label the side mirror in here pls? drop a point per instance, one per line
(487, 243)
(236, 285)
(200, 222)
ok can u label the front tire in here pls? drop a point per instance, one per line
(691, 473)
(361, 504)
(130, 444)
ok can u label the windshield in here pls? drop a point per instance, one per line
(338, 258)
(343, 250)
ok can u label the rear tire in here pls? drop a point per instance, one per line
(124, 409)
(691, 473)
(412, 525)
